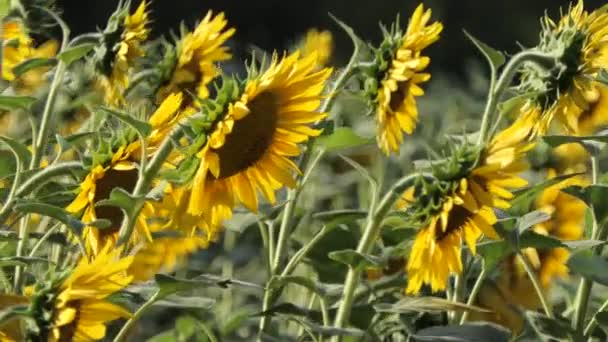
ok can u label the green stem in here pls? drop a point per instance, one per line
(585, 285)
(295, 260)
(143, 184)
(536, 283)
(46, 174)
(476, 288)
(459, 283)
(21, 247)
(10, 200)
(498, 88)
(371, 231)
(41, 140)
(593, 322)
(46, 235)
(292, 197)
(122, 334)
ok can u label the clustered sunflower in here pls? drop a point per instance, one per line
(579, 38)
(458, 206)
(400, 72)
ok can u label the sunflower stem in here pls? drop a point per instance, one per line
(585, 285)
(370, 234)
(122, 334)
(593, 322)
(279, 254)
(41, 140)
(143, 184)
(459, 283)
(473, 296)
(498, 88)
(536, 283)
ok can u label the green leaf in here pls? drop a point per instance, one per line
(426, 304)
(22, 261)
(10, 103)
(358, 44)
(590, 266)
(355, 259)
(183, 173)
(322, 290)
(531, 239)
(333, 218)
(169, 285)
(493, 252)
(594, 196)
(494, 57)
(593, 144)
(186, 302)
(470, 332)
(72, 54)
(602, 76)
(122, 199)
(22, 153)
(342, 138)
(143, 128)
(524, 198)
(548, 328)
(33, 63)
(372, 182)
(60, 214)
(602, 320)
(580, 245)
(531, 219)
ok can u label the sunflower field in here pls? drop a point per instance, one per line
(163, 189)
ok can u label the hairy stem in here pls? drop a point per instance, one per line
(473, 296)
(122, 334)
(536, 283)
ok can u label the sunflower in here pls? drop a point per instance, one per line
(501, 301)
(19, 47)
(467, 210)
(567, 94)
(134, 32)
(80, 309)
(567, 221)
(251, 146)
(320, 43)
(396, 99)
(198, 52)
(120, 172)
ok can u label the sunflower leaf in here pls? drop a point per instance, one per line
(60, 214)
(33, 63)
(10, 103)
(342, 138)
(470, 332)
(602, 320)
(21, 152)
(143, 128)
(355, 259)
(549, 328)
(531, 239)
(602, 76)
(334, 218)
(22, 261)
(590, 266)
(74, 53)
(175, 301)
(426, 304)
(494, 252)
(594, 144)
(494, 57)
(531, 219)
(522, 202)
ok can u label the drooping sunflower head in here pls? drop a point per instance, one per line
(580, 42)
(251, 146)
(394, 82)
(192, 66)
(34, 14)
(120, 45)
(73, 306)
(317, 42)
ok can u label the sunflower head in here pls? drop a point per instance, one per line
(120, 45)
(35, 18)
(192, 66)
(579, 40)
(73, 305)
(317, 42)
(393, 82)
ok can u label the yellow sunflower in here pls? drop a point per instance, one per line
(396, 111)
(19, 47)
(320, 43)
(198, 52)
(467, 212)
(80, 308)
(250, 148)
(566, 223)
(134, 32)
(568, 94)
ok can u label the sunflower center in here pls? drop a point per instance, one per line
(399, 95)
(125, 179)
(457, 218)
(250, 137)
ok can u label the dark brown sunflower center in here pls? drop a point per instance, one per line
(250, 137)
(398, 96)
(456, 219)
(125, 179)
